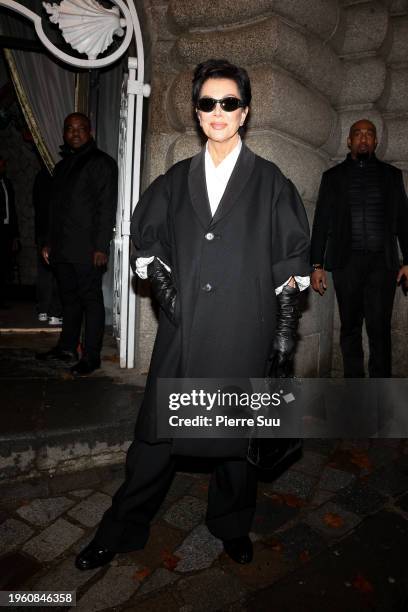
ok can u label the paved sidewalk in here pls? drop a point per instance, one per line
(330, 534)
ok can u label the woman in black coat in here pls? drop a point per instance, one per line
(222, 237)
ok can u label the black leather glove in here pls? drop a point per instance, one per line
(284, 343)
(163, 289)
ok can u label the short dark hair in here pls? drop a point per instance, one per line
(221, 69)
(82, 116)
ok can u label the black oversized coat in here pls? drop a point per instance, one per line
(225, 269)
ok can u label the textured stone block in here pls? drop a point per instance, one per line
(64, 577)
(364, 81)
(366, 27)
(399, 47)
(394, 99)
(297, 161)
(397, 129)
(114, 589)
(90, 510)
(53, 541)
(186, 513)
(198, 551)
(183, 14)
(278, 101)
(210, 590)
(43, 511)
(270, 40)
(319, 16)
(331, 520)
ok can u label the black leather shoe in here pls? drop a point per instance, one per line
(84, 367)
(93, 556)
(239, 549)
(58, 354)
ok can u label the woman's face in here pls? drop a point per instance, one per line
(219, 125)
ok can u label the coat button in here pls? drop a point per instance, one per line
(207, 288)
(210, 236)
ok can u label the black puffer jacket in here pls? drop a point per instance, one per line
(82, 204)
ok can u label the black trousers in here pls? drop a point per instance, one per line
(48, 299)
(365, 290)
(80, 287)
(149, 472)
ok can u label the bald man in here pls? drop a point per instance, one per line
(361, 216)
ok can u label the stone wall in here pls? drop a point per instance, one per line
(315, 66)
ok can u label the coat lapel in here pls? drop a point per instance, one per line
(239, 178)
(197, 187)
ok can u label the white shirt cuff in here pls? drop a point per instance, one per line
(143, 262)
(302, 281)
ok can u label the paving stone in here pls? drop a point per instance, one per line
(299, 540)
(159, 548)
(210, 590)
(15, 570)
(160, 578)
(198, 551)
(114, 589)
(81, 493)
(12, 534)
(42, 511)
(180, 486)
(311, 463)
(331, 520)
(389, 480)
(161, 602)
(365, 572)
(333, 480)
(267, 567)
(360, 499)
(53, 541)
(321, 497)
(186, 513)
(90, 510)
(295, 483)
(270, 515)
(65, 577)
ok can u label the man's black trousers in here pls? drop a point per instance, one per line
(365, 290)
(80, 287)
(149, 471)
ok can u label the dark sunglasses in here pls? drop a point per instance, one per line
(229, 104)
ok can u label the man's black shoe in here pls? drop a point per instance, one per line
(93, 556)
(85, 367)
(239, 549)
(58, 354)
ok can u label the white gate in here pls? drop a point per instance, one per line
(123, 21)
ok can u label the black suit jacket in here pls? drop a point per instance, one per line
(82, 204)
(331, 234)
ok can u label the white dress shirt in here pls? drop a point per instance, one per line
(217, 178)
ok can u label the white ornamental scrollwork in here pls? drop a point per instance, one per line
(86, 25)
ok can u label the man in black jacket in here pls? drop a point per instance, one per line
(362, 210)
(9, 242)
(82, 215)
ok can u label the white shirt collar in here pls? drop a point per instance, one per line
(217, 177)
